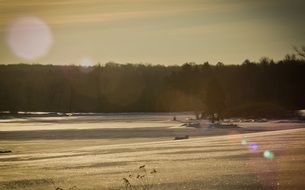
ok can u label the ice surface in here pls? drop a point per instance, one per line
(96, 152)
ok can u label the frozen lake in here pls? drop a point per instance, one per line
(97, 151)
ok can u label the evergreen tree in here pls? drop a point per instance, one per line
(215, 100)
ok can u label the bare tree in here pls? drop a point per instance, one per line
(300, 51)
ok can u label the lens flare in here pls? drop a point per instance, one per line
(268, 154)
(29, 37)
(253, 146)
(244, 142)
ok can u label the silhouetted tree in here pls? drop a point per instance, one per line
(215, 100)
(300, 51)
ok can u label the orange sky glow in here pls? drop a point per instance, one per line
(149, 31)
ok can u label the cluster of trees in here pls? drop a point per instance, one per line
(263, 89)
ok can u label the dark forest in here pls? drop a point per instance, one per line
(252, 89)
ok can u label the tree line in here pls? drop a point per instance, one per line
(251, 89)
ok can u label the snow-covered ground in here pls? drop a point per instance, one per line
(96, 152)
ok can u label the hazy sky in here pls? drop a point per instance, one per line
(159, 31)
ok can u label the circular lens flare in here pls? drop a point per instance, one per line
(244, 142)
(29, 37)
(268, 154)
(253, 146)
